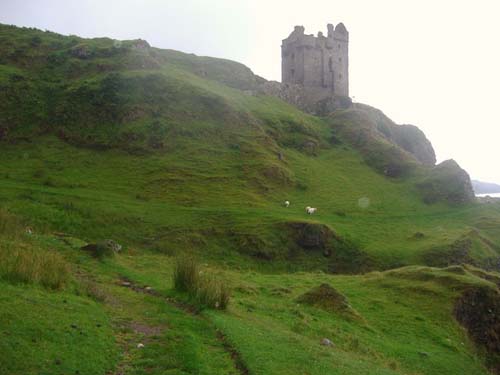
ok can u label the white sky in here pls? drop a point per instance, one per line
(431, 63)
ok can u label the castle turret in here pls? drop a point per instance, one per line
(318, 63)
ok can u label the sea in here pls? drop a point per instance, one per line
(493, 195)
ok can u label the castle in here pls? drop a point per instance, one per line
(319, 64)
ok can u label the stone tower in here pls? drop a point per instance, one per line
(320, 64)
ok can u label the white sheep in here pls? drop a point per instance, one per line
(287, 203)
(310, 210)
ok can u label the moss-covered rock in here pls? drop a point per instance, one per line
(447, 182)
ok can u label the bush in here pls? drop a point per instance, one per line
(205, 290)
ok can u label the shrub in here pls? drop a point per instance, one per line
(206, 290)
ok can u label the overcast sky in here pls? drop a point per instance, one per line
(432, 63)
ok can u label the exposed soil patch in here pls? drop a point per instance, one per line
(478, 310)
(235, 355)
(343, 255)
(145, 330)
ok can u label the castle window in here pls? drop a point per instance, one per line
(340, 76)
(340, 59)
(339, 46)
(293, 73)
(330, 65)
(293, 56)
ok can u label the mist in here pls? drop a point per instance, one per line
(427, 63)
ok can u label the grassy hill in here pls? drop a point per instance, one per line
(169, 153)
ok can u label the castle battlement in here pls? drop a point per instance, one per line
(317, 62)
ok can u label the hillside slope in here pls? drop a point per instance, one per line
(170, 154)
(187, 140)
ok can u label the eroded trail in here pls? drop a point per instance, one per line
(239, 366)
(158, 335)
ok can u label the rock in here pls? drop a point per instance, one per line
(140, 345)
(116, 247)
(81, 51)
(412, 139)
(447, 182)
(103, 249)
(148, 288)
(326, 342)
(140, 44)
(126, 284)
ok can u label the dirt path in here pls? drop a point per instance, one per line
(239, 364)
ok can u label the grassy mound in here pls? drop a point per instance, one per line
(327, 298)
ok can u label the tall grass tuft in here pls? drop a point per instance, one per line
(186, 274)
(11, 226)
(205, 290)
(22, 263)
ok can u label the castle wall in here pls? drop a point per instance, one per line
(319, 63)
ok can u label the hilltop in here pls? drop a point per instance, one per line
(169, 153)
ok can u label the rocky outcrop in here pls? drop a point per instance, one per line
(413, 140)
(447, 182)
(310, 100)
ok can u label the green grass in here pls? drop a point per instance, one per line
(50, 333)
(168, 153)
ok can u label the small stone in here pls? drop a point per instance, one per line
(126, 283)
(148, 288)
(140, 345)
(326, 342)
